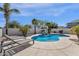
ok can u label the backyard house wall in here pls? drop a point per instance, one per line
(65, 30)
(0, 32)
(14, 31)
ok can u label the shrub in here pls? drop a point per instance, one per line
(24, 30)
(75, 30)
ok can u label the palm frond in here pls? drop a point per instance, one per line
(14, 10)
(1, 9)
(6, 6)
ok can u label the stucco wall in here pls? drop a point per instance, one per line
(65, 30)
(0, 32)
(12, 31)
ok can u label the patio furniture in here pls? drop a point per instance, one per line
(1, 41)
(11, 42)
(55, 32)
(61, 31)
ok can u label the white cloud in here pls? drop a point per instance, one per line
(38, 5)
(30, 5)
(53, 11)
(57, 12)
(61, 10)
(49, 12)
(23, 14)
(26, 14)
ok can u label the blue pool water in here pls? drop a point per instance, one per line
(46, 38)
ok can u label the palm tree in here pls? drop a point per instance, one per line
(13, 24)
(7, 11)
(49, 25)
(41, 23)
(29, 26)
(35, 23)
(54, 25)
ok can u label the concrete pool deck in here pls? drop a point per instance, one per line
(63, 47)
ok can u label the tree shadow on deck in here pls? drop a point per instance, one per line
(17, 49)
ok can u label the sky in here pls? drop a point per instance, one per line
(60, 13)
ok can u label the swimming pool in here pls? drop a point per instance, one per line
(49, 37)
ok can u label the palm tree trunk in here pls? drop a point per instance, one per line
(7, 18)
(78, 36)
(34, 29)
(7, 26)
(49, 30)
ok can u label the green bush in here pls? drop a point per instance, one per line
(24, 30)
(75, 30)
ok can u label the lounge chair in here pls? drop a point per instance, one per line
(11, 42)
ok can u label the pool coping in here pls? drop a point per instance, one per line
(36, 42)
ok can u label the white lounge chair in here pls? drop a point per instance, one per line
(11, 42)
